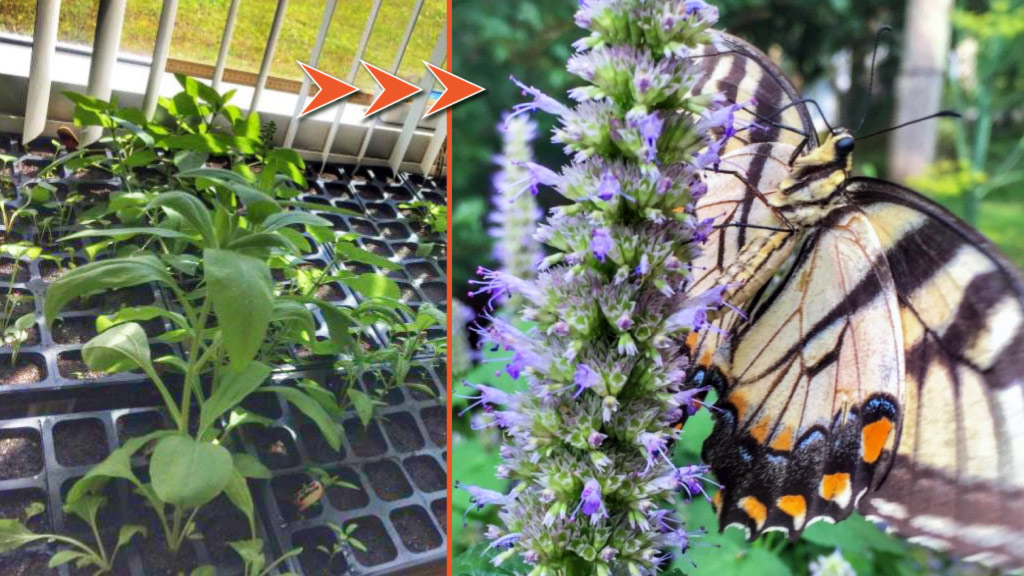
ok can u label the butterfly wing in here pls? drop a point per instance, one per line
(809, 412)
(958, 479)
(741, 73)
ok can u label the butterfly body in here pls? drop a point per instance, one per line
(875, 358)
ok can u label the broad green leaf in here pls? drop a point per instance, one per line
(117, 465)
(242, 293)
(251, 552)
(120, 349)
(250, 466)
(363, 404)
(349, 251)
(231, 390)
(313, 410)
(192, 210)
(141, 157)
(189, 160)
(87, 508)
(375, 286)
(249, 127)
(189, 473)
(295, 316)
(217, 174)
(323, 396)
(101, 276)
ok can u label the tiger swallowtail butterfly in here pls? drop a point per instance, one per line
(875, 358)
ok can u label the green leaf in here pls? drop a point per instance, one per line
(137, 314)
(204, 570)
(101, 276)
(189, 160)
(240, 417)
(117, 465)
(14, 535)
(257, 204)
(350, 251)
(120, 349)
(189, 473)
(294, 316)
(192, 210)
(249, 127)
(363, 404)
(375, 286)
(231, 390)
(210, 143)
(313, 410)
(339, 322)
(242, 293)
(323, 396)
(250, 466)
(141, 157)
(129, 531)
(237, 491)
(125, 233)
(292, 218)
(251, 552)
(62, 557)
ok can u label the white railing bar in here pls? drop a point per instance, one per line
(314, 61)
(268, 53)
(44, 47)
(160, 53)
(409, 29)
(436, 142)
(415, 114)
(225, 43)
(104, 56)
(367, 30)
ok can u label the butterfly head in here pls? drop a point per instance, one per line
(816, 179)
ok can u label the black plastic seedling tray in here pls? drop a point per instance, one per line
(398, 464)
(44, 456)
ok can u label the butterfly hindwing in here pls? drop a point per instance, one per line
(809, 414)
(958, 479)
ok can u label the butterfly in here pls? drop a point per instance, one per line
(873, 356)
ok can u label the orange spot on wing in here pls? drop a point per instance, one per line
(757, 511)
(834, 485)
(705, 360)
(873, 437)
(739, 402)
(691, 341)
(760, 430)
(783, 441)
(795, 505)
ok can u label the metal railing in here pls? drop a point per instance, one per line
(106, 42)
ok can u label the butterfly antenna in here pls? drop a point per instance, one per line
(871, 78)
(942, 114)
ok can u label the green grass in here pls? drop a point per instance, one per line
(200, 23)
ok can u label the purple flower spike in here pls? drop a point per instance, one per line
(480, 497)
(655, 444)
(609, 187)
(601, 243)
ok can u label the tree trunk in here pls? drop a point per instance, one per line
(926, 42)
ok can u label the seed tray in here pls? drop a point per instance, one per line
(397, 463)
(51, 464)
(49, 355)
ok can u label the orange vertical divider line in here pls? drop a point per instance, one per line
(448, 272)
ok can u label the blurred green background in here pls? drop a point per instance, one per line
(967, 54)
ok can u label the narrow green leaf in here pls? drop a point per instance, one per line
(350, 251)
(101, 276)
(125, 233)
(250, 466)
(313, 410)
(192, 209)
(237, 491)
(363, 404)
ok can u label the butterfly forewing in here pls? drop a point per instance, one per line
(742, 74)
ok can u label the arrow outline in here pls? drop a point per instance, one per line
(305, 68)
(431, 68)
(384, 90)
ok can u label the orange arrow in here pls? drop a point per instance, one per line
(330, 89)
(455, 89)
(395, 89)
